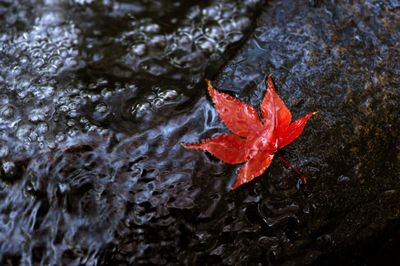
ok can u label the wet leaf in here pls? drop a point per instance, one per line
(253, 141)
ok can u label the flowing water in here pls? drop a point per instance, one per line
(96, 97)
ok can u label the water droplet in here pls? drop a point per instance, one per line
(343, 178)
(212, 12)
(213, 31)
(139, 49)
(3, 149)
(8, 111)
(234, 37)
(205, 44)
(151, 28)
(101, 108)
(37, 115)
(23, 132)
(42, 128)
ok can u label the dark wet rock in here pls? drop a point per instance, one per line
(340, 59)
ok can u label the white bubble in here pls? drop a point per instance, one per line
(139, 49)
(23, 132)
(42, 128)
(151, 28)
(4, 150)
(37, 115)
(205, 44)
(8, 111)
(213, 12)
(101, 108)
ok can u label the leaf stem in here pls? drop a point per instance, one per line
(287, 164)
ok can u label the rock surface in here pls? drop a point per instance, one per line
(341, 59)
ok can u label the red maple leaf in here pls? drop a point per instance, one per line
(253, 141)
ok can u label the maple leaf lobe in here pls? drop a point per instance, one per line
(238, 117)
(228, 148)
